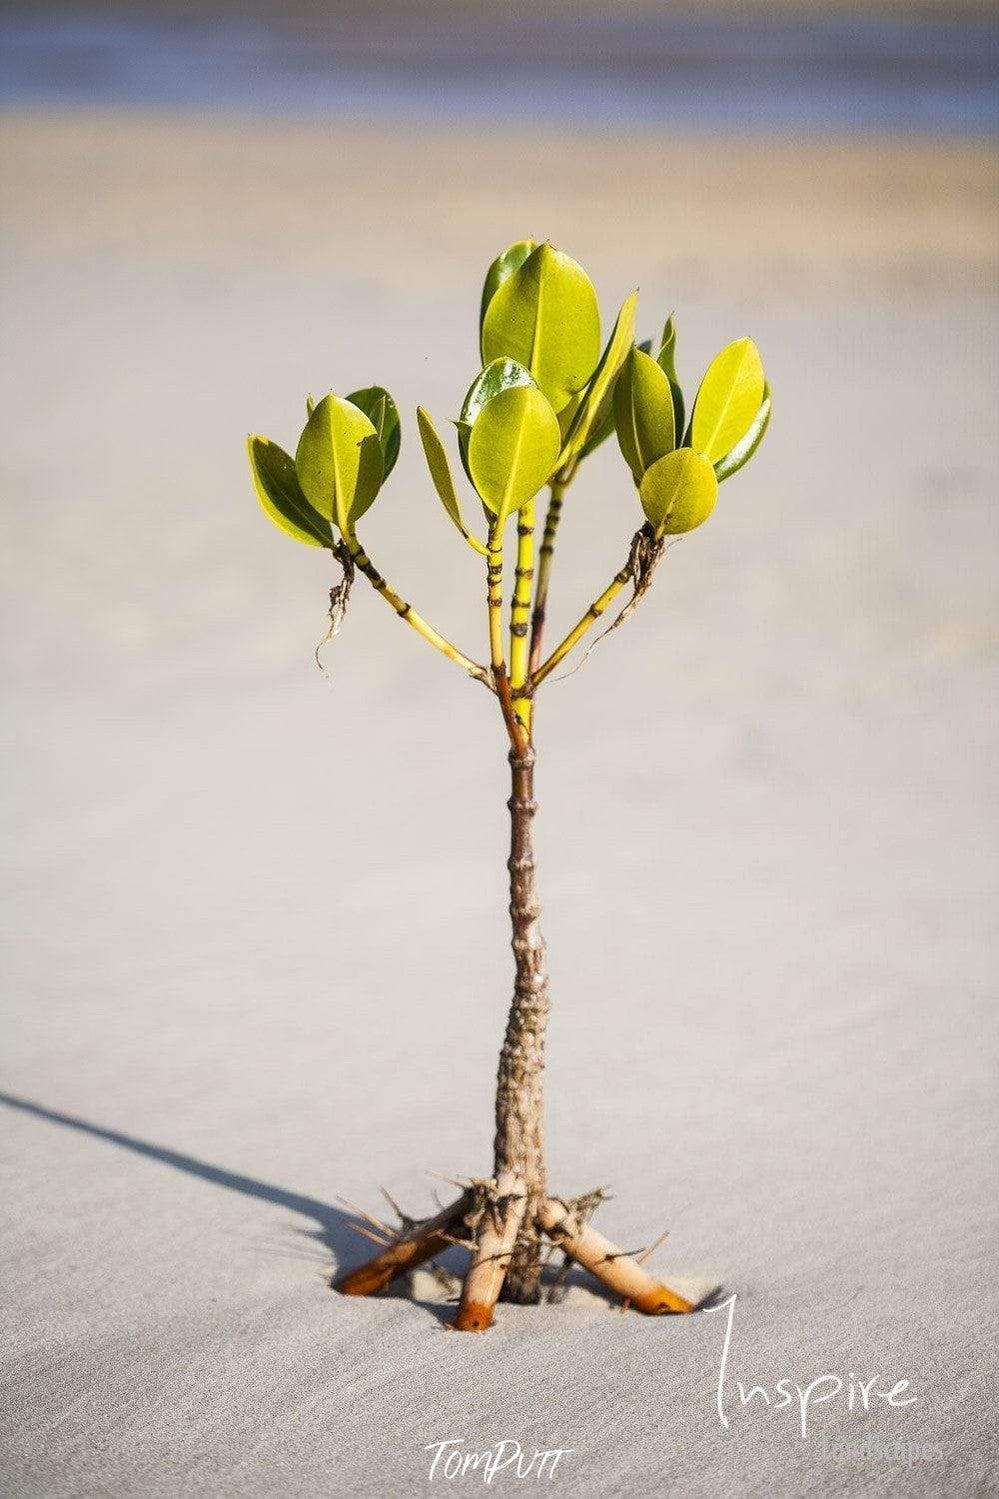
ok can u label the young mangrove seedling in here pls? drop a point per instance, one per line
(546, 396)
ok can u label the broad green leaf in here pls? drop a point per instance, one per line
(513, 448)
(728, 400)
(339, 461)
(545, 316)
(666, 360)
(678, 492)
(440, 472)
(643, 413)
(744, 450)
(382, 412)
(499, 374)
(280, 494)
(503, 266)
(596, 404)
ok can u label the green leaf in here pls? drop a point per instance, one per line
(729, 398)
(643, 413)
(440, 472)
(339, 461)
(310, 406)
(280, 494)
(600, 433)
(666, 360)
(513, 448)
(568, 415)
(545, 316)
(499, 374)
(382, 412)
(596, 406)
(503, 266)
(736, 457)
(678, 492)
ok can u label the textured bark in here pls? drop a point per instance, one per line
(497, 1234)
(519, 1146)
(415, 1247)
(609, 1264)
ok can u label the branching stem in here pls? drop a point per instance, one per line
(647, 548)
(406, 611)
(545, 557)
(494, 602)
(576, 634)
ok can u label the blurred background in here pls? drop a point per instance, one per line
(254, 912)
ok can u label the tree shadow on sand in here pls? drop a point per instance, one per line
(334, 1231)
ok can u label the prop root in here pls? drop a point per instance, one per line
(487, 1220)
(416, 1245)
(617, 1270)
(501, 1219)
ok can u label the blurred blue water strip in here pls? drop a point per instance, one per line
(713, 72)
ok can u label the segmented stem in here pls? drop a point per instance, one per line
(576, 634)
(494, 603)
(405, 611)
(520, 609)
(545, 557)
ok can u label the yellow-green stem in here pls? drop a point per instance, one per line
(406, 611)
(545, 557)
(494, 598)
(494, 602)
(520, 610)
(592, 614)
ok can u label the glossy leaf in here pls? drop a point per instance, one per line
(607, 424)
(678, 492)
(440, 472)
(503, 266)
(339, 461)
(643, 413)
(280, 494)
(666, 360)
(728, 400)
(513, 448)
(596, 405)
(499, 374)
(545, 316)
(744, 450)
(383, 414)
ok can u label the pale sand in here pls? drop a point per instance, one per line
(255, 919)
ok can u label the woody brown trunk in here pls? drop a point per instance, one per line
(519, 1145)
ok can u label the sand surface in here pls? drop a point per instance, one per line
(255, 954)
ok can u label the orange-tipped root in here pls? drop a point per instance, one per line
(615, 1269)
(501, 1220)
(418, 1244)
